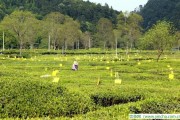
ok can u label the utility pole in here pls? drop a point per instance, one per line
(116, 47)
(3, 42)
(49, 43)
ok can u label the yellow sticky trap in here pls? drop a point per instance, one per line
(107, 68)
(171, 76)
(139, 63)
(54, 72)
(168, 66)
(56, 79)
(111, 73)
(98, 81)
(60, 65)
(117, 81)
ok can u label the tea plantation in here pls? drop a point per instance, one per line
(41, 85)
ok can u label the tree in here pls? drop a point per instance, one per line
(52, 24)
(129, 25)
(156, 10)
(71, 33)
(117, 35)
(19, 23)
(86, 39)
(10, 41)
(159, 37)
(177, 40)
(33, 32)
(134, 24)
(105, 34)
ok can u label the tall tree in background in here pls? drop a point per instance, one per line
(52, 26)
(156, 10)
(105, 34)
(62, 31)
(10, 42)
(177, 40)
(33, 32)
(86, 39)
(159, 37)
(123, 29)
(19, 23)
(117, 35)
(129, 28)
(134, 24)
(71, 33)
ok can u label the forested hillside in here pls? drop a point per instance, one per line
(156, 10)
(86, 12)
(78, 24)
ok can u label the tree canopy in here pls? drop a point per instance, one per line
(74, 24)
(156, 10)
(84, 11)
(160, 37)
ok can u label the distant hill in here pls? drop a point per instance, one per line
(84, 11)
(156, 10)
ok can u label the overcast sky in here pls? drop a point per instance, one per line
(121, 5)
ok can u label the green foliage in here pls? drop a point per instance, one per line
(160, 37)
(156, 10)
(20, 23)
(24, 99)
(108, 98)
(145, 87)
(105, 34)
(128, 29)
(158, 106)
(83, 11)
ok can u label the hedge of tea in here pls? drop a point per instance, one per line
(157, 106)
(111, 98)
(22, 99)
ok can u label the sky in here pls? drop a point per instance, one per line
(121, 5)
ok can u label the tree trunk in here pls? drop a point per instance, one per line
(127, 49)
(31, 46)
(49, 43)
(78, 44)
(89, 42)
(62, 49)
(21, 44)
(104, 46)
(116, 47)
(3, 41)
(159, 54)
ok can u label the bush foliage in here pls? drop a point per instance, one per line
(22, 99)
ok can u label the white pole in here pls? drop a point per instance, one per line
(3, 40)
(116, 46)
(89, 42)
(49, 43)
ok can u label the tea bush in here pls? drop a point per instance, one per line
(158, 106)
(22, 99)
(24, 94)
(109, 98)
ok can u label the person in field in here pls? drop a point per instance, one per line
(75, 66)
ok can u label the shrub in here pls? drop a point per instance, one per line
(108, 99)
(157, 106)
(22, 99)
